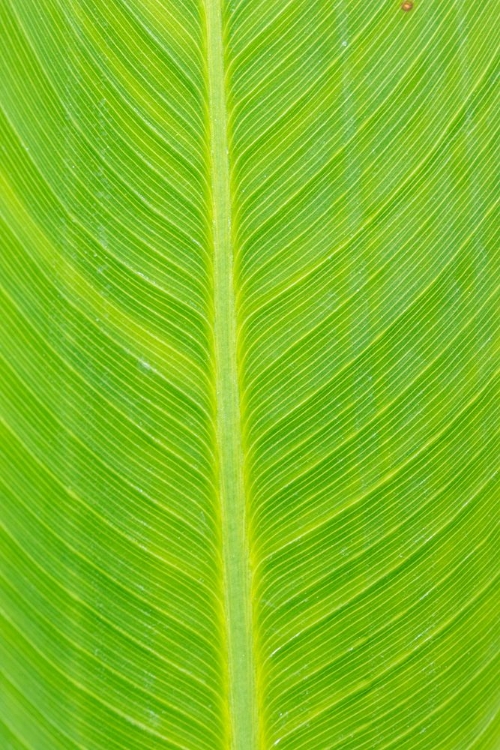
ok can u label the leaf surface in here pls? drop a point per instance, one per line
(249, 356)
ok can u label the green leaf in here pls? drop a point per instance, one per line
(249, 364)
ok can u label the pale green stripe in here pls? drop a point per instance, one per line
(242, 702)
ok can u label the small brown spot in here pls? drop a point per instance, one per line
(407, 6)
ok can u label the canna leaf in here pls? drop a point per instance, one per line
(249, 362)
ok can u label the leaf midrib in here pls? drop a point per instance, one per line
(237, 585)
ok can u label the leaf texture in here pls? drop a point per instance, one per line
(249, 356)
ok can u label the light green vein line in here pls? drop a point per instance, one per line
(242, 701)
